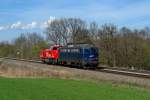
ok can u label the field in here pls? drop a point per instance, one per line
(59, 89)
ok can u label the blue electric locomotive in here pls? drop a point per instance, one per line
(81, 55)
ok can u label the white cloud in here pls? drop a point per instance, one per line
(30, 26)
(17, 25)
(46, 23)
(2, 28)
(21, 26)
(33, 24)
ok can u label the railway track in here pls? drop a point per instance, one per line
(126, 72)
(114, 70)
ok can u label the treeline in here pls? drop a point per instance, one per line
(26, 46)
(121, 47)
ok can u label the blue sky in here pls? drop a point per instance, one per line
(22, 16)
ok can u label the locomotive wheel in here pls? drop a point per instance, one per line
(43, 61)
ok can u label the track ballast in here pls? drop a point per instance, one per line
(114, 70)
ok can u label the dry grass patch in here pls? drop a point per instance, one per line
(16, 70)
(11, 68)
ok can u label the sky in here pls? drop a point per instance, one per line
(23, 16)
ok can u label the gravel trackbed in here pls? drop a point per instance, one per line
(12, 68)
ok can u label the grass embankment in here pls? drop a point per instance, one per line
(58, 89)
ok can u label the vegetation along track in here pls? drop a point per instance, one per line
(114, 70)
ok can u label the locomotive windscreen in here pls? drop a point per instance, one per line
(91, 51)
(94, 50)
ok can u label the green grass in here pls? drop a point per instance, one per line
(58, 89)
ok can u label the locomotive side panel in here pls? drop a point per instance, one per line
(70, 55)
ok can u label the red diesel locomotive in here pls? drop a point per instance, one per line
(50, 55)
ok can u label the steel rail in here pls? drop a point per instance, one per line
(114, 70)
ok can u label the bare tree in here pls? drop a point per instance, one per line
(107, 41)
(63, 31)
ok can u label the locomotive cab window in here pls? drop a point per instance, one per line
(75, 50)
(87, 51)
(94, 50)
(55, 48)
